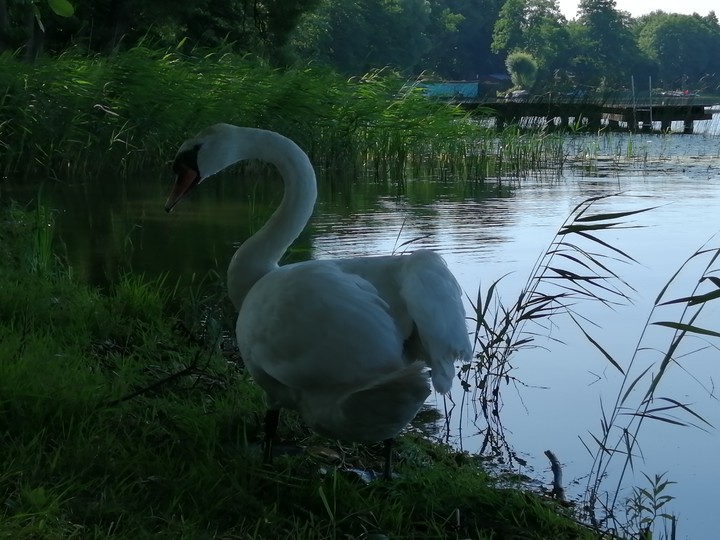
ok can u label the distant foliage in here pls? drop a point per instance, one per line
(537, 27)
(522, 68)
(685, 48)
(262, 27)
(443, 39)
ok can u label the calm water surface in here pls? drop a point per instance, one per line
(484, 233)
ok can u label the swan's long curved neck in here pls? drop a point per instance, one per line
(261, 253)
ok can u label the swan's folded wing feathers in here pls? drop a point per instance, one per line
(311, 324)
(434, 301)
(385, 407)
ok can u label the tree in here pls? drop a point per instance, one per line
(537, 27)
(24, 20)
(467, 53)
(605, 51)
(355, 37)
(260, 26)
(443, 31)
(522, 68)
(508, 30)
(685, 47)
(449, 38)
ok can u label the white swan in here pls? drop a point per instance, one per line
(345, 342)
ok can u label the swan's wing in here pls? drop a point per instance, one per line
(434, 302)
(313, 326)
(384, 408)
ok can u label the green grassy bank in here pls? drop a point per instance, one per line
(86, 456)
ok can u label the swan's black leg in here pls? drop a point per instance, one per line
(387, 474)
(271, 424)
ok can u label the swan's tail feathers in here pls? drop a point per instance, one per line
(434, 302)
(381, 410)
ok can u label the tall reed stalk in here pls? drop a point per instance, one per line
(687, 330)
(77, 117)
(579, 266)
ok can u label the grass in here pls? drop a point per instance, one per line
(119, 421)
(77, 117)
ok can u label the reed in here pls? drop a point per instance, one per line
(680, 320)
(76, 117)
(579, 267)
(576, 268)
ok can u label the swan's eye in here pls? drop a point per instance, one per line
(187, 160)
(178, 168)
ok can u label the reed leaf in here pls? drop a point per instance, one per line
(564, 276)
(687, 328)
(682, 326)
(602, 350)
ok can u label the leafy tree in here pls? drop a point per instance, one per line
(443, 31)
(605, 51)
(686, 48)
(31, 28)
(537, 27)
(508, 30)
(523, 69)
(357, 36)
(260, 26)
(448, 38)
(468, 55)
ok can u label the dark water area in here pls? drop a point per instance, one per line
(106, 226)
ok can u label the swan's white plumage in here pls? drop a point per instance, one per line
(321, 356)
(345, 341)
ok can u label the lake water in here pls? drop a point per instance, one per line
(485, 232)
(561, 386)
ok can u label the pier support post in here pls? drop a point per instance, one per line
(665, 126)
(688, 127)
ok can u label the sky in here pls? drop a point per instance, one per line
(643, 7)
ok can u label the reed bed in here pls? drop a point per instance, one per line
(74, 116)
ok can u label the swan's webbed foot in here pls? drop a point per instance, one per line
(271, 423)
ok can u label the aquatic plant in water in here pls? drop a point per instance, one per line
(576, 268)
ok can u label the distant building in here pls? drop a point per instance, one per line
(484, 86)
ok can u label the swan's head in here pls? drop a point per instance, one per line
(209, 152)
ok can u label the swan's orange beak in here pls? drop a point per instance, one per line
(186, 179)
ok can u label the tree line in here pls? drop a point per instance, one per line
(447, 39)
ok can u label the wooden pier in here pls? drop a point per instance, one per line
(589, 111)
(593, 115)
